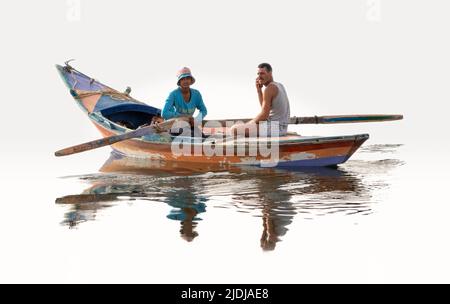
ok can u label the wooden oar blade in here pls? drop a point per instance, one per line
(116, 138)
(359, 118)
(337, 119)
(81, 147)
(105, 141)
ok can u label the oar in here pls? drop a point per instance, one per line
(116, 138)
(332, 119)
(335, 119)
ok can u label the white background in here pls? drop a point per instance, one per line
(334, 57)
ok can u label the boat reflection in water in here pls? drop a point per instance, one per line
(275, 195)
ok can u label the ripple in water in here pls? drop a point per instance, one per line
(275, 195)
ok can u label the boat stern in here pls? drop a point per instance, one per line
(325, 152)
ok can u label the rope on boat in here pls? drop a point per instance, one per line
(114, 94)
(111, 93)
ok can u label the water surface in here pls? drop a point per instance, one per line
(276, 197)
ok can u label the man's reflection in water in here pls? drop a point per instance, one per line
(273, 228)
(276, 208)
(182, 196)
(188, 218)
(181, 192)
(277, 194)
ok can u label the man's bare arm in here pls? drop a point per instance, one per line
(259, 91)
(269, 93)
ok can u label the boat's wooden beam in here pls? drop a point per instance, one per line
(330, 119)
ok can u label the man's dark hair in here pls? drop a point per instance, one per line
(266, 66)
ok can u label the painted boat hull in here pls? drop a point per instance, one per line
(288, 151)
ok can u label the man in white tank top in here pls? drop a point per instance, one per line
(274, 104)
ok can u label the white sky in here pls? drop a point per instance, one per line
(334, 57)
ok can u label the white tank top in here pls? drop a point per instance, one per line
(280, 110)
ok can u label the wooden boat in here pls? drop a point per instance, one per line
(114, 113)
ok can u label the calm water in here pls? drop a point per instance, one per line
(380, 217)
(276, 197)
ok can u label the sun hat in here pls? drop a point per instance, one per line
(183, 73)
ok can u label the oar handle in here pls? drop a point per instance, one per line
(104, 141)
(116, 138)
(332, 119)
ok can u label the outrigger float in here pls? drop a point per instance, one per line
(123, 123)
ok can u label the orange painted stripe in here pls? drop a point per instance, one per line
(163, 151)
(90, 102)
